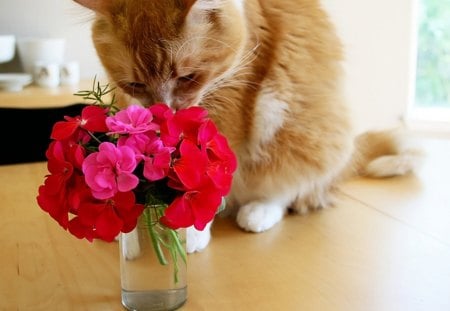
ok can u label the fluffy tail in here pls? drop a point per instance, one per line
(385, 153)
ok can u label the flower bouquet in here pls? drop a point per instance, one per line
(110, 166)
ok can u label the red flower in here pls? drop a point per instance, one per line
(66, 151)
(51, 198)
(106, 219)
(190, 167)
(52, 195)
(184, 124)
(204, 173)
(93, 119)
(222, 161)
(197, 208)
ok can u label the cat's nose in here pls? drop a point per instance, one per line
(148, 99)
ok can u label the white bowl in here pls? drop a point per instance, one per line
(39, 50)
(14, 82)
(7, 48)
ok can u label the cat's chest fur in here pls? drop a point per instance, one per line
(253, 123)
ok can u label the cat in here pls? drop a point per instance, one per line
(270, 75)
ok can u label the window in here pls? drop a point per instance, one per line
(431, 100)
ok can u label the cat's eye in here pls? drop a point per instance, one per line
(187, 78)
(136, 85)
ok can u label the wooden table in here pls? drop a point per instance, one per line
(33, 96)
(384, 247)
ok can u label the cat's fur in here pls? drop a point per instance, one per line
(269, 73)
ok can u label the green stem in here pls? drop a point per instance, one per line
(176, 269)
(154, 237)
(170, 239)
(178, 246)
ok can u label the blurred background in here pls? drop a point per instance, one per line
(51, 19)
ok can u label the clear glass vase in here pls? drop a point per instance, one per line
(153, 266)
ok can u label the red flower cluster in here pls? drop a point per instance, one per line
(104, 167)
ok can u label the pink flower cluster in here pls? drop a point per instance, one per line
(103, 167)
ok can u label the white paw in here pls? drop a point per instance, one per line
(196, 240)
(130, 241)
(259, 216)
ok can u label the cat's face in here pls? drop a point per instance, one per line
(174, 51)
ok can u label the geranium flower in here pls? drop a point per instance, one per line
(149, 148)
(110, 170)
(184, 124)
(222, 161)
(92, 119)
(135, 119)
(191, 166)
(67, 151)
(109, 166)
(105, 219)
(158, 164)
(194, 208)
(52, 195)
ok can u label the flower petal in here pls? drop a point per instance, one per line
(191, 167)
(178, 214)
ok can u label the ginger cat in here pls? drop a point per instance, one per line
(269, 73)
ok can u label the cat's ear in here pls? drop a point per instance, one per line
(99, 6)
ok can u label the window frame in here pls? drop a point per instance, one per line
(434, 120)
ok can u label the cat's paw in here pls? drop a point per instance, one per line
(196, 240)
(259, 216)
(131, 248)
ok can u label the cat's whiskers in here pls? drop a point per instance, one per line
(216, 98)
(203, 38)
(236, 73)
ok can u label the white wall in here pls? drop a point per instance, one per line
(377, 36)
(54, 18)
(379, 39)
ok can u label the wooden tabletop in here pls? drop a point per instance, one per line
(33, 96)
(385, 246)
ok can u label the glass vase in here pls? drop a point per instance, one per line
(153, 266)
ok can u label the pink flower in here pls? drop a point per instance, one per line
(149, 148)
(157, 165)
(138, 143)
(110, 170)
(132, 120)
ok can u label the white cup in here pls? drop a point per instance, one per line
(7, 48)
(46, 74)
(32, 50)
(70, 73)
